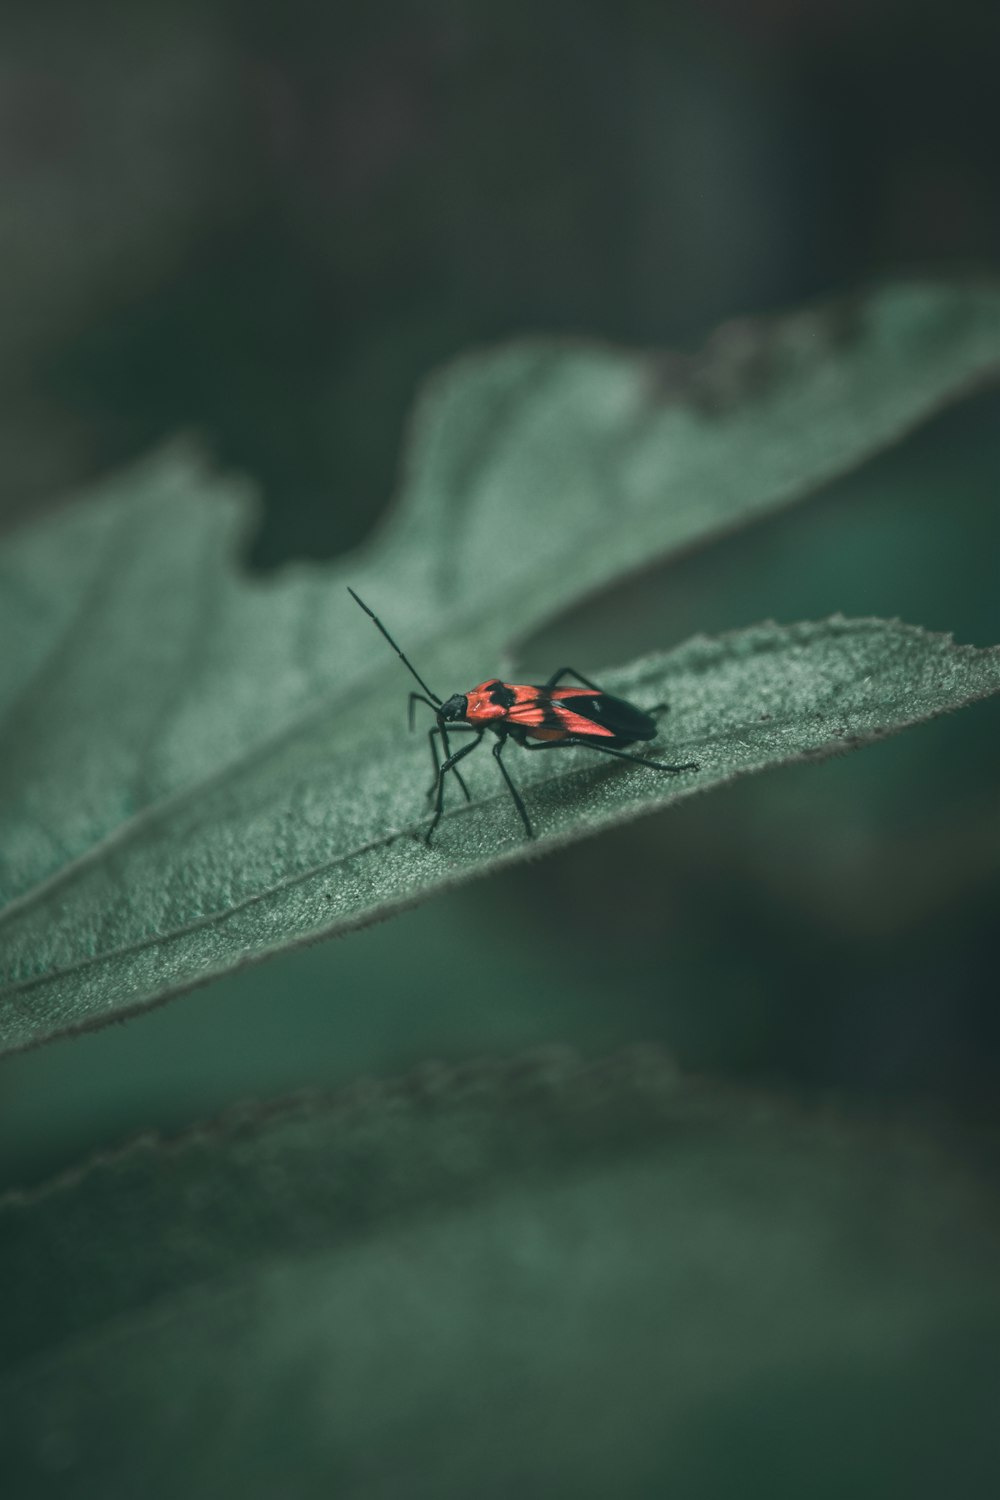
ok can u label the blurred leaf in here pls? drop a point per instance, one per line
(199, 769)
(537, 1278)
(127, 139)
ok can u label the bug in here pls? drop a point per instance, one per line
(554, 717)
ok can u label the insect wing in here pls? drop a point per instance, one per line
(553, 713)
(604, 715)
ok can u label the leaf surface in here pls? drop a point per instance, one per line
(539, 1278)
(197, 769)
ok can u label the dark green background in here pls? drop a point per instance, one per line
(267, 224)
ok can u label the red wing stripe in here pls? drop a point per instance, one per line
(577, 724)
(545, 713)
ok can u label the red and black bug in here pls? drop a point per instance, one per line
(553, 716)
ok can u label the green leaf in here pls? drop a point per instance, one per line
(199, 769)
(535, 1278)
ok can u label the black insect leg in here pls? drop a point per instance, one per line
(443, 769)
(639, 760)
(571, 672)
(418, 698)
(439, 729)
(518, 803)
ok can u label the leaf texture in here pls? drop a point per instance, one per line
(197, 769)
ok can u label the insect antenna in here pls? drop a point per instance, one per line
(402, 655)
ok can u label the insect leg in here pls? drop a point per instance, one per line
(418, 698)
(518, 803)
(639, 760)
(443, 768)
(571, 672)
(440, 729)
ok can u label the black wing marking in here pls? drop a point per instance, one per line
(624, 720)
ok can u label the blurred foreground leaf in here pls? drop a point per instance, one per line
(539, 1279)
(198, 769)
